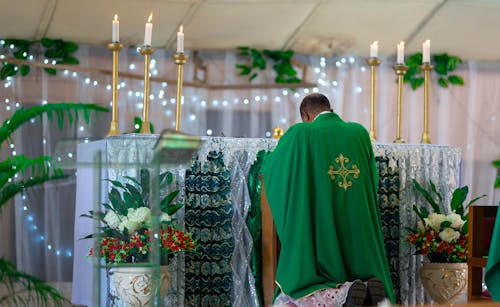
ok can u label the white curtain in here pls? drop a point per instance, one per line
(467, 117)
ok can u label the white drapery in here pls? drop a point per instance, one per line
(466, 117)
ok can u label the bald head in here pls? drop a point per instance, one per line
(312, 105)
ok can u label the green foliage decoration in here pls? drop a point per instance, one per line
(23, 289)
(138, 125)
(55, 50)
(444, 65)
(282, 64)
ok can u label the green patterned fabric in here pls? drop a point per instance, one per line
(254, 221)
(388, 201)
(208, 215)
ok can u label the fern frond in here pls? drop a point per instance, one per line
(24, 289)
(60, 109)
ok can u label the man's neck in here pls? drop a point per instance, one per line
(324, 112)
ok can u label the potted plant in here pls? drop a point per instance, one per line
(125, 236)
(442, 238)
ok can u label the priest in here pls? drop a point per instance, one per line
(321, 184)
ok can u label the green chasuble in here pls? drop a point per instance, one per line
(321, 183)
(492, 276)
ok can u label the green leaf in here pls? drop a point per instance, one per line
(117, 202)
(418, 214)
(165, 179)
(465, 228)
(427, 196)
(443, 83)
(70, 47)
(116, 183)
(457, 200)
(253, 76)
(51, 71)
(445, 224)
(133, 180)
(7, 70)
(473, 201)
(51, 54)
(440, 68)
(245, 70)
(25, 69)
(71, 60)
(496, 164)
(168, 199)
(47, 43)
(173, 208)
(416, 82)
(452, 63)
(136, 194)
(434, 190)
(456, 80)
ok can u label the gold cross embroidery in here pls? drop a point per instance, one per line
(343, 172)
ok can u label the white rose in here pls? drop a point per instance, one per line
(435, 220)
(165, 217)
(449, 234)
(455, 220)
(112, 219)
(130, 225)
(139, 215)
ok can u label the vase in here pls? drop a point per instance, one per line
(444, 282)
(135, 286)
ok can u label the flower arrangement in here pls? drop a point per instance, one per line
(438, 236)
(125, 236)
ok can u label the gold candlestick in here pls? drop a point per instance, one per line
(426, 67)
(373, 63)
(147, 51)
(400, 70)
(179, 59)
(113, 128)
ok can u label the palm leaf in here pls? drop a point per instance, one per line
(39, 169)
(23, 288)
(23, 115)
(10, 190)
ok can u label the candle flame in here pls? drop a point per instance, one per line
(375, 43)
(116, 17)
(180, 29)
(402, 43)
(150, 17)
(428, 41)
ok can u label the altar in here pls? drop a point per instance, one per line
(221, 192)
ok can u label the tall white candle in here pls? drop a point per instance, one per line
(148, 32)
(401, 53)
(374, 49)
(426, 52)
(115, 36)
(180, 41)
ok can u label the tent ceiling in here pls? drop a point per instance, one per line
(465, 28)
